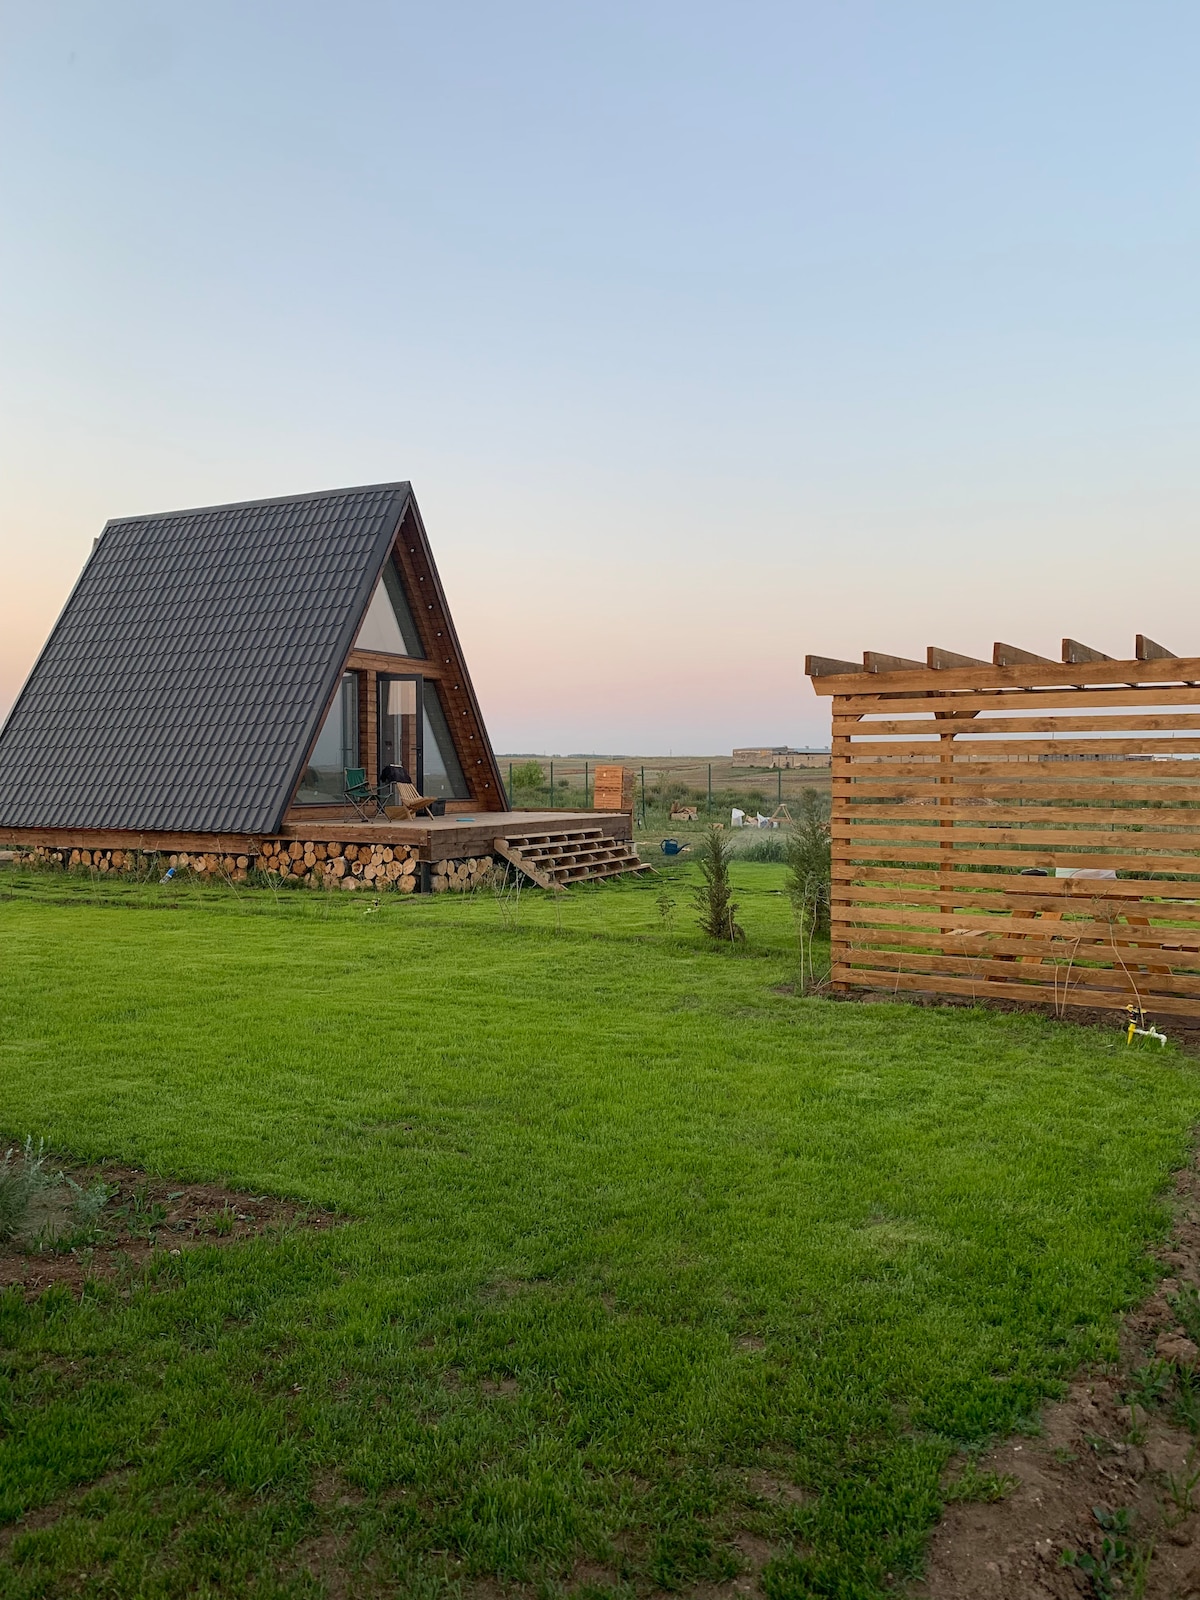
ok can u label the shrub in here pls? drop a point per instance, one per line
(768, 847)
(529, 775)
(714, 895)
(666, 791)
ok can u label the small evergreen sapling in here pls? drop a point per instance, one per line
(810, 867)
(808, 881)
(716, 911)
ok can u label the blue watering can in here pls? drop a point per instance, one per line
(672, 847)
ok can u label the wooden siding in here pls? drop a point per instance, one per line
(952, 783)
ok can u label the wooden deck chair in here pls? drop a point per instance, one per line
(411, 800)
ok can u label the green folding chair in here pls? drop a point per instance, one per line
(362, 795)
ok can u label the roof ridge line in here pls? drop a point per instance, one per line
(271, 500)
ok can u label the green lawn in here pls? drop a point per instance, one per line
(638, 1239)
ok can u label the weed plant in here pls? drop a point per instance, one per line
(1119, 1565)
(981, 1486)
(22, 1177)
(87, 1204)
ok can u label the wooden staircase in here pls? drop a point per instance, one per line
(554, 858)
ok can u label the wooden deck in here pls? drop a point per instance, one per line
(434, 838)
(453, 837)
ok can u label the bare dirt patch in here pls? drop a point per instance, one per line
(767, 1486)
(1105, 1500)
(141, 1217)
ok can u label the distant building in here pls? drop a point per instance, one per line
(780, 755)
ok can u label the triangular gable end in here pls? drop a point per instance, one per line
(389, 625)
(407, 617)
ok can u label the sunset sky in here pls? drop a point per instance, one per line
(707, 334)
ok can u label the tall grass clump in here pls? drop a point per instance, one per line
(21, 1176)
(716, 911)
(770, 847)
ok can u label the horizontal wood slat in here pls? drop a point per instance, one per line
(975, 783)
(1124, 722)
(1166, 670)
(978, 855)
(1036, 813)
(1021, 921)
(968, 747)
(867, 895)
(1024, 701)
(843, 976)
(955, 880)
(868, 832)
(1084, 980)
(1030, 947)
(1161, 776)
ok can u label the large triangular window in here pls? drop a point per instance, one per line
(388, 625)
(442, 773)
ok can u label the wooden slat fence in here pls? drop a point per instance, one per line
(964, 795)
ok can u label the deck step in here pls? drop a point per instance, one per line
(569, 855)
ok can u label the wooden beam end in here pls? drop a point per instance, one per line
(943, 660)
(1146, 650)
(829, 667)
(1011, 655)
(1075, 654)
(879, 661)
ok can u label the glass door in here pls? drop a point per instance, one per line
(401, 726)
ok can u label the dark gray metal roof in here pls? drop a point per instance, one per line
(186, 679)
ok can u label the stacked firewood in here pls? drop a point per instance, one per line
(209, 864)
(101, 860)
(466, 874)
(319, 863)
(342, 866)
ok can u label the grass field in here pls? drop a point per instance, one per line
(652, 1271)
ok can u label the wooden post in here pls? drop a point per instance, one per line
(841, 894)
(946, 798)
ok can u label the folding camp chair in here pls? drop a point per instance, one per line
(361, 795)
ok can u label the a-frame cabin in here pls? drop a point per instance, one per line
(219, 676)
